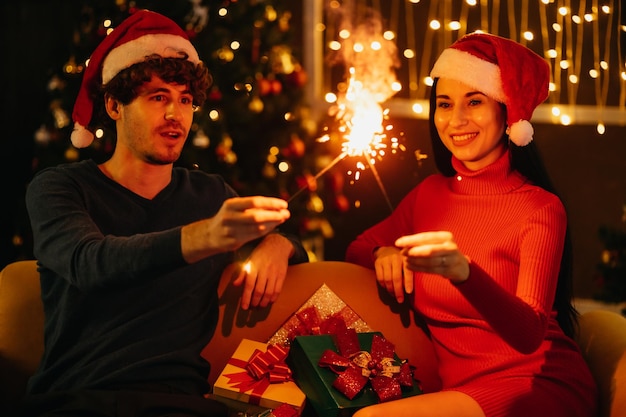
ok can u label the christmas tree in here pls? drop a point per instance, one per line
(611, 278)
(255, 128)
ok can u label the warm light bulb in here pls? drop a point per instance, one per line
(417, 108)
(435, 24)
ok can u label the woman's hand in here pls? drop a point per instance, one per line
(434, 252)
(391, 273)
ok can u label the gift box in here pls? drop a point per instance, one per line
(319, 383)
(314, 313)
(257, 374)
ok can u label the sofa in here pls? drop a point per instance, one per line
(602, 335)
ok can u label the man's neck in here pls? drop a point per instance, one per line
(142, 178)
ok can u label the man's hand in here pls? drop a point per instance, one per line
(264, 272)
(238, 221)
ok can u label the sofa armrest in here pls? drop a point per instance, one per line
(602, 340)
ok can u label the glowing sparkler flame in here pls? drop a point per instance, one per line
(363, 117)
(371, 82)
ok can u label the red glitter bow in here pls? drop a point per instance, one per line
(355, 367)
(262, 369)
(309, 322)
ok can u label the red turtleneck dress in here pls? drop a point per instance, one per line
(495, 335)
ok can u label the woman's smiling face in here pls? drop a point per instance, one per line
(470, 124)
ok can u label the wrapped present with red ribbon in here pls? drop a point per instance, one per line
(319, 315)
(345, 371)
(257, 374)
(356, 367)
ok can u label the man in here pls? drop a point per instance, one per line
(131, 251)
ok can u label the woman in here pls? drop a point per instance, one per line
(483, 250)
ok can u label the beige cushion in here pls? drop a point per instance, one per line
(21, 328)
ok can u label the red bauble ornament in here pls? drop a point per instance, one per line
(335, 181)
(265, 86)
(298, 78)
(276, 87)
(307, 181)
(215, 94)
(297, 146)
(341, 203)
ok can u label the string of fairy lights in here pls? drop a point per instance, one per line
(583, 40)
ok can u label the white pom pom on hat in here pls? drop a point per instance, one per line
(142, 34)
(504, 70)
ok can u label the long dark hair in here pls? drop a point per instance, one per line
(526, 160)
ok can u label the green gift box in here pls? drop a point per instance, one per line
(317, 382)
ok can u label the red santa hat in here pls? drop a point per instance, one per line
(502, 69)
(142, 34)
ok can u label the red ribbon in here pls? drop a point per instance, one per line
(355, 367)
(309, 322)
(262, 369)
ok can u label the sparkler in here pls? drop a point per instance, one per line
(370, 57)
(362, 127)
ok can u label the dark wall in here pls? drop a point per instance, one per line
(32, 31)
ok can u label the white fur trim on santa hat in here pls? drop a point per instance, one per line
(136, 50)
(471, 70)
(521, 132)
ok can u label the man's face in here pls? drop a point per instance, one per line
(155, 125)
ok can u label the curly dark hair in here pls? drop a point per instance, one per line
(124, 86)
